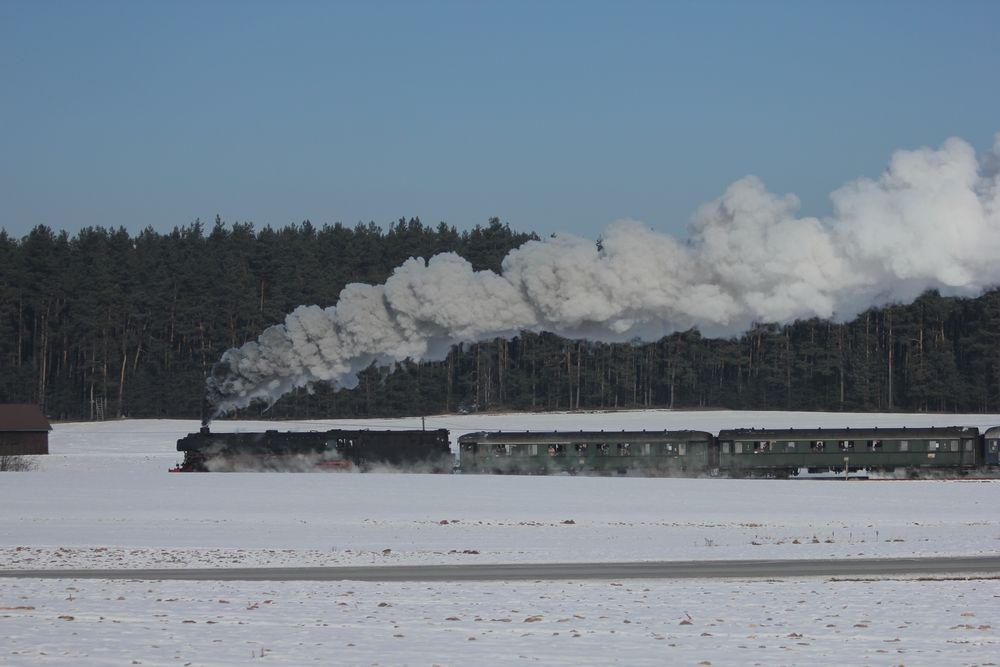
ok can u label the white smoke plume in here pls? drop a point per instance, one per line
(932, 220)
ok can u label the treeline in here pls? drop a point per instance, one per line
(104, 323)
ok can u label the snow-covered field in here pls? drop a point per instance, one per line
(103, 498)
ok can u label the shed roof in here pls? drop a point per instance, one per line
(22, 417)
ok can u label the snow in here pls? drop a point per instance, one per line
(103, 498)
(797, 621)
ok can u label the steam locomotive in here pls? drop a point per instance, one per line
(913, 452)
(363, 450)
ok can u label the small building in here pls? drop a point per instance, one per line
(23, 430)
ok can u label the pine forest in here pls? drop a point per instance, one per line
(106, 324)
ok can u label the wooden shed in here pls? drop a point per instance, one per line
(23, 430)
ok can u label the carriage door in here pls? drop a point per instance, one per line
(713, 452)
(967, 458)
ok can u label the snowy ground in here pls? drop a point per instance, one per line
(793, 622)
(103, 498)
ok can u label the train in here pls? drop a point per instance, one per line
(745, 452)
(337, 449)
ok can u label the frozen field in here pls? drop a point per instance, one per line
(103, 498)
(794, 622)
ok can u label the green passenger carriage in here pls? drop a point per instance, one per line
(780, 453)
(652, 453)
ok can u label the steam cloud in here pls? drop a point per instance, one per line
(932, 220)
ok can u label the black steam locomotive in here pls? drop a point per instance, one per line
(363, 450)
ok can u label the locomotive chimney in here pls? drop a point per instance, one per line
(205, 419)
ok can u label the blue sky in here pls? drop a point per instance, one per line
(553, 116)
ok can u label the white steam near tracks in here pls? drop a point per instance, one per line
(931, 221)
